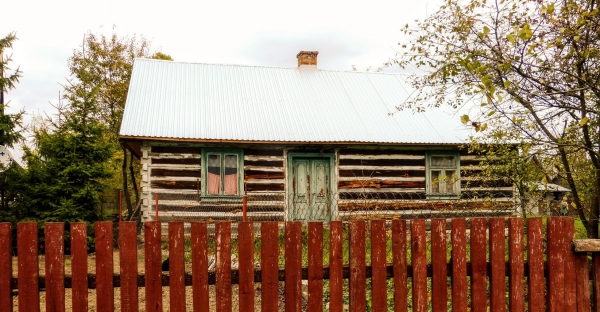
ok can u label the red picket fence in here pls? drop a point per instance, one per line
(414, 268)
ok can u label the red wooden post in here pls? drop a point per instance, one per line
(6, 302)
(517, 269)
(335, 266)
(315, 266)
(583, 281)
(269, 254)
(55, 266)
(200, 267)
(478, 265)
(245, 208)
(459, 265)
(246, 265)
(596, 279)
(378, 266)
(556, 273)
(498, 262)
(176, 267)
(399, 263)
(439, 281)
(223, 272)
(104, 267)
(153, 266)
(535, 259)
(570, 293)
(293, 266)
(419, 264)
(79, 266)
(128, 266)
(358, 274)
(27, 250)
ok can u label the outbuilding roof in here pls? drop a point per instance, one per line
(212, 102)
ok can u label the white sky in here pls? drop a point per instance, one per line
(258, 32)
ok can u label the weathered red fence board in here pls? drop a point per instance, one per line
(55, 266)
(517, 270)
(498, 263)
(6, 303)
(335, 266)
(269, 254)
(152, 266)
(439, 264)
(223, 271)
(419, 265)
(556, 273)
(246, 265)
(128, 266)
(105, 292)
(478, 265)
(79, 266)
(535, 259)
(583, 283)
(459, 265)
(200, 267)
(570, 281)
(378, 266)
(28, 269)
(176, 268)
(358, 275)
(315, 266)
(399, 265)
(293, 266)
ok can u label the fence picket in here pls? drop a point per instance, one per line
(439, 265)
(104, 267)
(79, 267)
(223, 271)
(478, 265)
(55, 266)
(200, 267)
(315, 266)
(535, 259)
(152, 266)
(27, 249)
(419, 264)
(269, 254)
(378, 266)
(498, 263)
(555, 256)
(459, 265)
(176, 267)
(358, 274)
(517, 269)
(570, 293)
(335, 266)
(399, 264)
(128, 265)
(583, 283)
(293, 266)
(246, 265)
(6, 302)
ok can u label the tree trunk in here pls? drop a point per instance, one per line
(133, 181)
(592, 230)
(125, 188)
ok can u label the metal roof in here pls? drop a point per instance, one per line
(176, 100)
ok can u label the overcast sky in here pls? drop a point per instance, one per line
(258, 32)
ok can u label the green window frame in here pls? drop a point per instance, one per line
(443, 175)
(222, 172)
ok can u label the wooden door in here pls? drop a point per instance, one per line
(311, 196)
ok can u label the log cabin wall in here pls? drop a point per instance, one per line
(393, 178)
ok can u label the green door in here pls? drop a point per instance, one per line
(310, 190)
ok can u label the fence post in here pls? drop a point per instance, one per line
(245, 208)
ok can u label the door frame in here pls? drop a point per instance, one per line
(332, 179)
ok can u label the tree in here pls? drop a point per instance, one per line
(529, 66)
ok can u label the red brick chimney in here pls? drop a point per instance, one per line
(307, 58)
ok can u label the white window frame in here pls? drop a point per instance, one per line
(428, 177)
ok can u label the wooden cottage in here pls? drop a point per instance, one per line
(301, 143)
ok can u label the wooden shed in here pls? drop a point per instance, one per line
(302, 143)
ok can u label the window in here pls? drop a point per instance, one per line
(223, 172)
(443, 174)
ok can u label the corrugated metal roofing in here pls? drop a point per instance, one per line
(178, 100)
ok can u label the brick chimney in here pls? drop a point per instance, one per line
(307, 58)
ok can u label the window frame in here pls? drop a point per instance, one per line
(240, 168)
(429, 168)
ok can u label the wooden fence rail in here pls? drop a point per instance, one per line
(487, 270)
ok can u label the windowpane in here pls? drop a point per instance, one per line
(435, 181)
(450, 178)
(231, 174)
(443, 161)
(214, 174)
